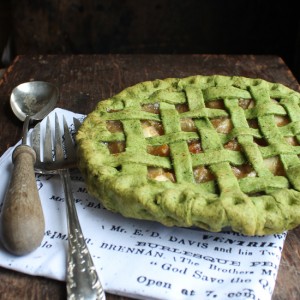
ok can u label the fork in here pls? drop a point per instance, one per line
(58, 155)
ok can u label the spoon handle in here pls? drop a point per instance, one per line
(22, 219)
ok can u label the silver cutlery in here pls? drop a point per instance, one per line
(58, 155)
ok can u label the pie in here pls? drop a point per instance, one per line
(204, 151)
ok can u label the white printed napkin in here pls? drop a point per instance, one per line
(143, 259)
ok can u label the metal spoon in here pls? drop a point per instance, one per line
(22, 221)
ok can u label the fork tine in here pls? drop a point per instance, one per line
(77, 124)
(70, 150)
(54, 151)
(36, 141)
(48, 142)
(59, 155)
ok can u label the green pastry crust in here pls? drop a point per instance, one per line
(258, 205)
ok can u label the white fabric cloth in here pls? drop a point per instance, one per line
(143, 259)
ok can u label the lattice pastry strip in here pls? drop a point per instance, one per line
(251, 149)
(207, 151)
(179, 150)
(278, 144)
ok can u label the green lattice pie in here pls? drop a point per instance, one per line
(205, 151)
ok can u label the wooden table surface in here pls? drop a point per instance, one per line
(83, 80)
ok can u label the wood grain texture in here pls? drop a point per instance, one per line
(22, 217)
(83, 80)
(143, 26)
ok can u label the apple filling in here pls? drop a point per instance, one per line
(222, 125)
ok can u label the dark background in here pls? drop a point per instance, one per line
(150, 26)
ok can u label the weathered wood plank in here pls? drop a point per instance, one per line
(84, 80)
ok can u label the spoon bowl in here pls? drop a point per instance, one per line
(34, 99)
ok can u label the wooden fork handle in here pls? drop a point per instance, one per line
(22, 219)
